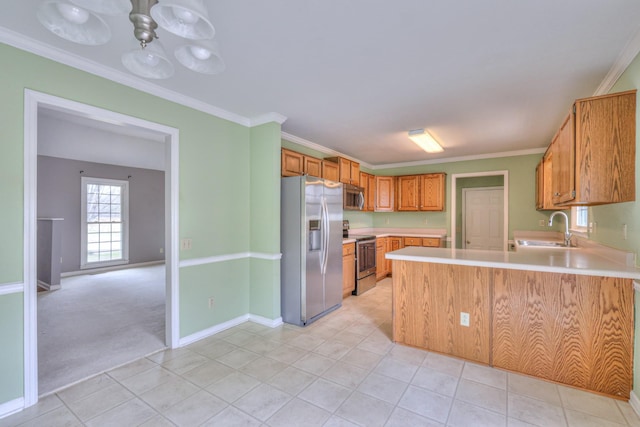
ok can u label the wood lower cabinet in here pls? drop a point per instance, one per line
(348, 269)
(432, 242)
(573, 329)
(393, 244)
(384, 193)
(381, 262)
(427, 301)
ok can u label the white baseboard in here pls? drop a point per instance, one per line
(205, 333)
(271, 323)
(635, 403)
(11, 407)
(47, 287)
(112, 268)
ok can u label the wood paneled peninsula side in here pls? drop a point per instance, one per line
(564, 315)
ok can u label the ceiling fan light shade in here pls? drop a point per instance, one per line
(150, 62)
(424, 140)
(201, 57)
(73, 23)
(184, 18)
(106, 7)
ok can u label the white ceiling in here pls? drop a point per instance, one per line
(354, 76)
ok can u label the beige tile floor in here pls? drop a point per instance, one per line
(343, 370)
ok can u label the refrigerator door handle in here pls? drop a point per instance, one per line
(325, 236)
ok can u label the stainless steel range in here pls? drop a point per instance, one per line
(365, 259)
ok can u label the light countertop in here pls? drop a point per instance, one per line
(572, 261)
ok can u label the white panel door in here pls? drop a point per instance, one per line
(483, 218)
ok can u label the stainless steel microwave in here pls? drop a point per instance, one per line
(353, 197)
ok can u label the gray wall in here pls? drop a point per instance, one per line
(59, 197)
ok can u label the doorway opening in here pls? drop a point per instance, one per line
(476, 180)
(35, 104)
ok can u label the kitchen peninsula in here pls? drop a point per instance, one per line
(565, 315)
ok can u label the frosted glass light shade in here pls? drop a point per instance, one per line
(201, 57)
(106, 7)
(184, 18)
(73, 23)
(424, 140)
(150, 62)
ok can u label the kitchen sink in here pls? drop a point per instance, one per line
(542, 244)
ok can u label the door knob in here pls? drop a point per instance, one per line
(468, 242)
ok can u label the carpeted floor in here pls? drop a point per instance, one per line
(96, 322)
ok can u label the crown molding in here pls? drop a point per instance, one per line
(267, 118)
(463, 158)
(322, 149)
(317, 147)
(628, 54)
(27, 44)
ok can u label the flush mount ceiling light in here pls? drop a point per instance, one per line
(425, 141)
(79, 21)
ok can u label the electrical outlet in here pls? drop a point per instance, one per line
(161, 250)
(542, 223)
(624, 231)
(426, 221)
(464, 318)
(386, 221)
(185, 244)
(211, 302)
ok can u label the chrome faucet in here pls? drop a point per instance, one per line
(567, 235)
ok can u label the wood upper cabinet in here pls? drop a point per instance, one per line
(384, 193)
(381, 262)
(292, 163)
(368, 183)
(313, 166)
(563, 165)
(348, 269)
(544, 183)
(432, 191)
(408, 193)
(349, 170)
(594, 151)
(330, 170)
(421, 192)
(573, 329)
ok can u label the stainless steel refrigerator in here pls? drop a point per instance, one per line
(311, 245)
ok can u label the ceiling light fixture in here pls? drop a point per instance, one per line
(425, 141)
(79, 21)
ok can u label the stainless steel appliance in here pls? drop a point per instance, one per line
(353, 197)
(365, 259)
(311, 244)
(365, 264)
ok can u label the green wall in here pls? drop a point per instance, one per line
(11, 341)
(265, 220)
(219, 162)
